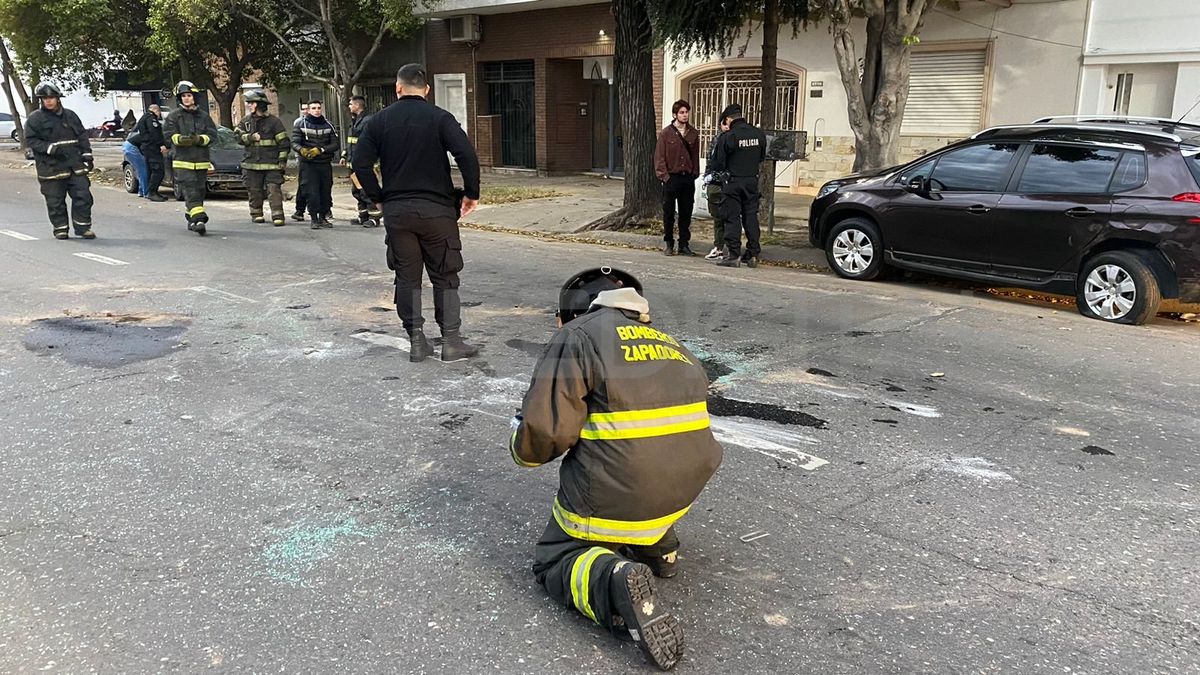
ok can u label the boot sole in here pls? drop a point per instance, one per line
(659, 637)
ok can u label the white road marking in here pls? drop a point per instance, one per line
(914, 408)
(224, 295)
(100, 258)
(17, 235)
(384, 340)
(973, 467)
(759, 439)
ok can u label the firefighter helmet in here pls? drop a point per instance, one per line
(581, 289)
(44, 89)
(185, 87)
(256, 96)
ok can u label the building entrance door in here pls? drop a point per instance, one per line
(510, 95)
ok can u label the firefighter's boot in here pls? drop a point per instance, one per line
(656, 631)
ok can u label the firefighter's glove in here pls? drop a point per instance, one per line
(89, 163)
(185, 141)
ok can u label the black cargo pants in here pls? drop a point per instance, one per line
(576, 573)
(424, 235)
(318, 179)
(740, 211)
(56, 191)
(194, 186)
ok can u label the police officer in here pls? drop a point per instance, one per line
(317, 143)
(267, 148)
(410, 139)
(368, 216)
(190, 131)
(154, 149)
(737, 158)
(63, 156)
(629, 403)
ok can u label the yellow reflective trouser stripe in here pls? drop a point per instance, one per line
(641, 532)
(191, 166)
(196, 211)
(646, 423)
(581, 573)
(261, 167)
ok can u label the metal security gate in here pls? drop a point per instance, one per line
(510, 95)
(711, 92)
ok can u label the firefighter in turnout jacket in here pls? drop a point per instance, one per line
(625, 406)
(267, 148)
(63, 156)
(368, 215)
(317, 143)
(189, 132)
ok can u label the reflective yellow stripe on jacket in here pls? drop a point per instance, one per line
(260, 167)
(640, 532)
(191, 166)
(645, 423)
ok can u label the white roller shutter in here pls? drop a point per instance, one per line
(945, 93)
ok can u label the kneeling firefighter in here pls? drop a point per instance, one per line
(189, 131)
(625, 406)
(267, 147)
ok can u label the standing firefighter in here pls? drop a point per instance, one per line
(316, 141)
(368, 215)
(190, 131)
(63, 156)
(629, 403)
(267, 148)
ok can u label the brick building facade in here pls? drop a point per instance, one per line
(534, 91)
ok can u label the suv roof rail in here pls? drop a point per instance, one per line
(1079, 126)
(1119, 119)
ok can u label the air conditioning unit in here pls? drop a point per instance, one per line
(465, 28)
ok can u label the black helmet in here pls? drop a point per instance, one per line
(185, 87)
(44, 89)
(256, 96)
(580, 290)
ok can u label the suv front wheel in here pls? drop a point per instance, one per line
(854, 249)
(1118, 287)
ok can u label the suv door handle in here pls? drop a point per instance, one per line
(1080, 212)
(978, 209)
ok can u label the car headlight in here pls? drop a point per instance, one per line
(827, 189)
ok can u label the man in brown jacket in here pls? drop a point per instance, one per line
(677, 164)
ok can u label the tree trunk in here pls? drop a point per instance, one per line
(225, 99)
(15, 82)
(10, 75)
(767, 120)
(635, 82)
(876, 98)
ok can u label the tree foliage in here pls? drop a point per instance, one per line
(707, 28)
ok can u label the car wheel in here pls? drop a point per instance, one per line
(14, 136)
(854, 249)
(1118, 287)
(131, 181)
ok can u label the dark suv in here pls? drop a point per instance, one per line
(1106, 209)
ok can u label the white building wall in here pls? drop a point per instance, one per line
(1035, 51)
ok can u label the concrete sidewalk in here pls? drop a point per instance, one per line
(584, 199)
(519, 204)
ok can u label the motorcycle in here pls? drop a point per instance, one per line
(107, 129)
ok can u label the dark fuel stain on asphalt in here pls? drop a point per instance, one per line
(818, 371)
(454, 421)
(531, 348)
(768, 412)
(1097, 450)
(715, 369)
(106, 342)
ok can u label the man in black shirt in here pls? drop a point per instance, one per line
(737, 157)
(154, 149)
(421, 208)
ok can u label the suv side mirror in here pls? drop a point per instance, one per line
(917, 185)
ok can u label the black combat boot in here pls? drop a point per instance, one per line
(454, 349)
(656, 631)
(419, 348)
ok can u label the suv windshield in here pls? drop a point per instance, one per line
(1191, 155)
(226, 140)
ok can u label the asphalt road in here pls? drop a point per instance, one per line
(216, 457)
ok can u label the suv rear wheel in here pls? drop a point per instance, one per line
(131, 181)
(854, 249)
(1118, 287)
